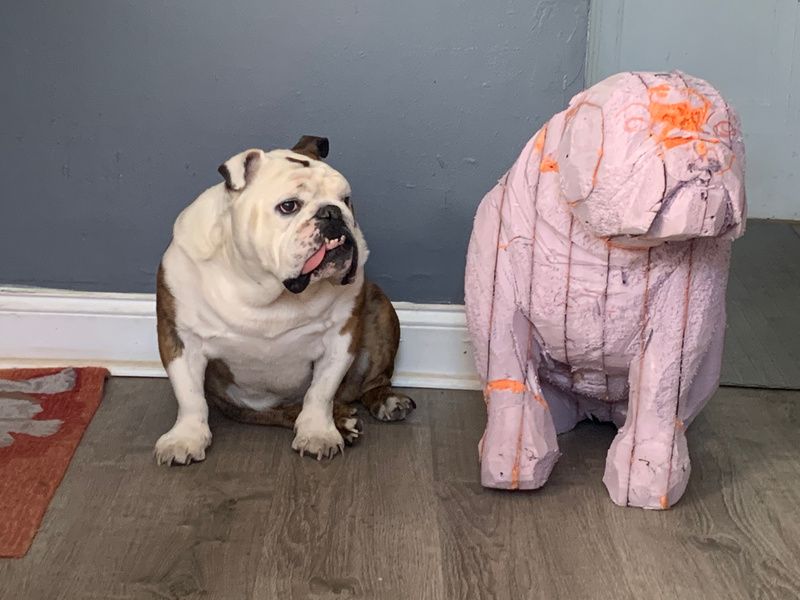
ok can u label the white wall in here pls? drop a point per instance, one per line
(748, 49)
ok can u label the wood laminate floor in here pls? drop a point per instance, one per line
(402, 516)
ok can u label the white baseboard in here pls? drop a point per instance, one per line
(41, 327)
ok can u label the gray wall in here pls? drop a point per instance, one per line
(115, 115)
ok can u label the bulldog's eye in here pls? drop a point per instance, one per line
(288, 207)
(346, 201)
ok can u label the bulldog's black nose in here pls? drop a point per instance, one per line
(329, 211)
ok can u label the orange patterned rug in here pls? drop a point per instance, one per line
(43, 414)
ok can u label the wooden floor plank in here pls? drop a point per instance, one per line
(361, 526)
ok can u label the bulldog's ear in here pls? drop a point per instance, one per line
(312, 147)
(239, 170)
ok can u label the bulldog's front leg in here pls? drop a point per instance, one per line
(190, 436)
(315, 431)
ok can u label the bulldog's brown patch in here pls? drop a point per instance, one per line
(380, 331)
(305, 163)
(354, 324)
(376, 337)
(170, 345)
(226, 175)
(312, 147)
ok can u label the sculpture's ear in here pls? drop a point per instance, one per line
(239, 170)
(312, 147)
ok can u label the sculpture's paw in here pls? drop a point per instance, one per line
(651, 475)
(528, 471)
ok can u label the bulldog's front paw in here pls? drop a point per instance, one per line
(186, 442)
(317, 436)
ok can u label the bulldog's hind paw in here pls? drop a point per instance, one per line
(348, 423)
(394, 407)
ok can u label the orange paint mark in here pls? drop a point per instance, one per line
(515, 477)
(664, 502)
(689, 115)
(513, 386)
(538, 397)
(680, 424)
(549, 164)
(517, 455)
(672, 142)
(701, 148)
(505, 385)
(538, 143)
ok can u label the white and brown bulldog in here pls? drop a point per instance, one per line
(263, 308)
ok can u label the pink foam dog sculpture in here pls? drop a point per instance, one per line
(595, 282)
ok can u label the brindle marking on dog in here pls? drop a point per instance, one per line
(354, 323)
(376, 332)
(170, 345)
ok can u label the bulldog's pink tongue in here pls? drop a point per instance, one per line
(315, 260)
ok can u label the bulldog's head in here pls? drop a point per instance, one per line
(291, 215)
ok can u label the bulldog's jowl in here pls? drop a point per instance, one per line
(330, 226)
(297, 284)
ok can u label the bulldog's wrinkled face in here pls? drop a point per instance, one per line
(291, 215)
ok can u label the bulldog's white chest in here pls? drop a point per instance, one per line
(269, 370)
(269, 348)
